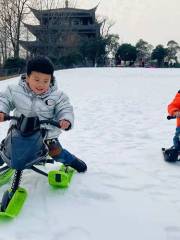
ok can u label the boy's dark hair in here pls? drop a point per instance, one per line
(40, 64)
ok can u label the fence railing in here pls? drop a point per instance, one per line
(9, 71)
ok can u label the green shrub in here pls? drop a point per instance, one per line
(15, 63)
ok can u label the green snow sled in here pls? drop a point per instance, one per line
(24, 148)
(61, 178)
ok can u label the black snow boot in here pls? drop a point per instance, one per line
(171, 154)
(78, 165)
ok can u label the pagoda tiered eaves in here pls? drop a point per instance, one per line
(42, 29)
(63, 10)
(37, 44)
(60, 12)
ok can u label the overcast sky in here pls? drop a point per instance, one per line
(155, 21)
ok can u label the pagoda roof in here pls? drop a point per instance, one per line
(39, 13)
(40, 31)
(34, 28)
(30, 45)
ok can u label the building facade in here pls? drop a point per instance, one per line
(60, 30)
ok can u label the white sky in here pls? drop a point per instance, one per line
(155, 21)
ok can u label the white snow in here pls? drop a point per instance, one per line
(129, 192)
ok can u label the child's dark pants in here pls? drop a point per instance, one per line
(176, 139)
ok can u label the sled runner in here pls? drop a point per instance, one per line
(5, 175)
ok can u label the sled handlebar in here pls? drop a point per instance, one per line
(171, 117)
(51, 122)
(7, 118)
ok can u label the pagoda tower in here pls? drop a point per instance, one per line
(60, 30)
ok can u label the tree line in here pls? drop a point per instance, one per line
(144, 54)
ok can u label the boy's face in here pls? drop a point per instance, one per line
(39, 82)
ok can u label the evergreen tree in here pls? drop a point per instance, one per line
(159, 53)
(126, 52)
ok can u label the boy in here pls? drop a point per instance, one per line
(37, 94)
(174, 110)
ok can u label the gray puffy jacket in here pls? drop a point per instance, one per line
(53, 104)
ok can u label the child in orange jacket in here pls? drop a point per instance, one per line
(174, 110)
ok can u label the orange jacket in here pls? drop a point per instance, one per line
(175, 106)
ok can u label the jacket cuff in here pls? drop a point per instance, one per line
(172, 111)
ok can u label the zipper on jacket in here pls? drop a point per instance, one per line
(33, 105)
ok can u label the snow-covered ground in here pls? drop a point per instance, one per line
(129, 192)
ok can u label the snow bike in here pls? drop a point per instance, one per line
(171, 154)
(24, 148)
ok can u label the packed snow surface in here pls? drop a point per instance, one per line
(129, 192)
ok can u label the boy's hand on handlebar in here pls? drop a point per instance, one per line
(64, 124)
(2, 117)
(177, 114)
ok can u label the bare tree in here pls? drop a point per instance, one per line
(144, 50)
(173, 49)
(13, 12)
(3, 44)
(4, 41)
(106, 25)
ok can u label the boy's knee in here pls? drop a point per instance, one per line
(54, 147)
